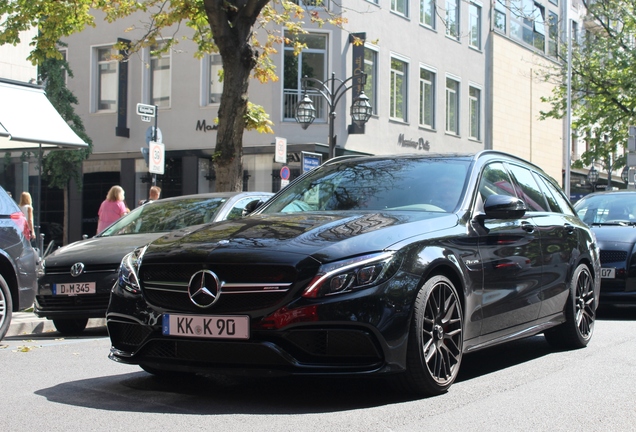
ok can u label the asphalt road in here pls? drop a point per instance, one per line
(49, 383)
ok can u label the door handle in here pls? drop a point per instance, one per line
(527, 227)
(569, 228)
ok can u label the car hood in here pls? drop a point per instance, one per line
(614, 237)
(325, 236)
(99, 250)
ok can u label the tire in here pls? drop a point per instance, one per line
(6, 307)
(70, 326)
(436, 339)
(580, 313)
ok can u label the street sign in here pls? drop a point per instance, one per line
(281, 150)
(146, 110)
(146, 118)
(156, 159)
(310, 161)
(285, 173)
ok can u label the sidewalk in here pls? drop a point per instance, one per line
(26, 323)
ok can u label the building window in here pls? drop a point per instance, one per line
(310, 62)
(427, 13)
(452, 18)
(452, 106)
(500, 15)
(105, 80)
(400, 7)
(398, 89)
(213, 85)
(474, 106)
(528, 23)
(427, 98)
(474, 31)
(553, 34)
(371, 69)
(160, 76)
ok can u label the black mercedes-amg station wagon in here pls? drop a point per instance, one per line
(385, 264)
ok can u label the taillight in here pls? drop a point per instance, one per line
(21, 222)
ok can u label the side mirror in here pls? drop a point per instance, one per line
(504, 207)
(251, 206)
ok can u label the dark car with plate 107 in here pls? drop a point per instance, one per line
(612, 217)
(365, 265)
(76, 279)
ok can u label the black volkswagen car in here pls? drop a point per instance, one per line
(365, 265)
(76, 280)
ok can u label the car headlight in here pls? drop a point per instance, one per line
(352, 274)
(128, 271)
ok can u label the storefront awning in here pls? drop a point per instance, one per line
(28, 121)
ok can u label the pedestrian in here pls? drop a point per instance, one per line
(112, 208)
(26, 205)
(154, 193)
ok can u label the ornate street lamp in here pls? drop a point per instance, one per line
(361, 109)
(592, 177)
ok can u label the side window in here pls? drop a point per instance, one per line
(528, 190)
(494, 181)
(558, 196)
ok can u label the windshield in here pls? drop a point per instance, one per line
(425, 184)
(607, 208)
(164, 216)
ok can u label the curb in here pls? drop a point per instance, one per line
(26, 323)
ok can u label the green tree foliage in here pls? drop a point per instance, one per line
(60, 166)
(603, 84)
(228, 27)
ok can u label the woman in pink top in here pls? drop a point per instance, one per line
(112, 208)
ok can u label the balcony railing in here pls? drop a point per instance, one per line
(290, 102)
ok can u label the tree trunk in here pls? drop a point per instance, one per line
(231, 22)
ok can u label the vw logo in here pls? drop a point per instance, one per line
(77, 269)
(203, 288)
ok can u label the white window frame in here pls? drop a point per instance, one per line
(372, 79)
(432, 84)
(453, 95)
(147, 92)
(291, 96)
(474, 103)
(431, 7)
(395, 91)
(96, 80)
(474, 25)
(211, 64)
(400, 7)
(452, 12)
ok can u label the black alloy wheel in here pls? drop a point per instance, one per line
(436, 339)
(70, 326)
(6, 307)
(580, 313)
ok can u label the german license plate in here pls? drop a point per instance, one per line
(608, 273)
(209, 327)
(72, 289)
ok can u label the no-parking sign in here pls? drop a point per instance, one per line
(156, 162)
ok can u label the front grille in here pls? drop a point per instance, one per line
(90, 268)
(73, 303)
(612, 256)
(166, 286)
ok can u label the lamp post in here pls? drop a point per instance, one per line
(592, 177)
(360, 108)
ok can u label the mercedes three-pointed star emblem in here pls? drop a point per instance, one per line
(204, 288)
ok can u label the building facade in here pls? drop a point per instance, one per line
(443, 76)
